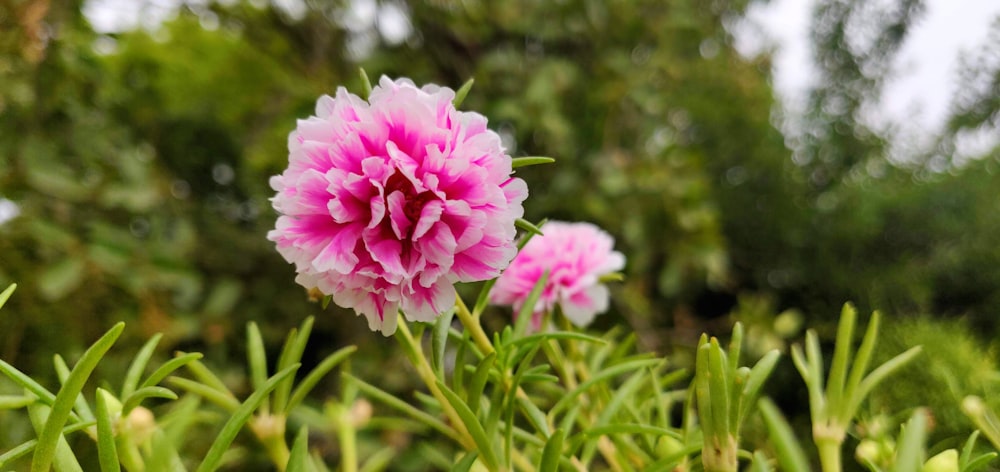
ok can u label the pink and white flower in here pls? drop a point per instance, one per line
(576, 255)
(387, 203)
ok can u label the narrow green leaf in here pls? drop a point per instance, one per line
(170, 366)
(621, 395)
(5, 295)
(534, 415)
(138, 396)
(836, 387)
(735, 347)
(478, 382)
(483, 299)
(326, 301)
(910, 451)
(107, 454)
(390, 400)
(175, 426)
(703, 390)
(458, 373)
(28, 383)
(80, 404)
(815, 357)
(811, 370)
(672, 460)
(439, 341)
(532, 338)
(462, 92)
(227, 402)
(138, 365)
(530, 161)
(474, 427)
(878, 375)
(310, 381)
(63, 458)
(496, 409)
(979, 462)
(863, 356)
(531, 234)
(540, 378)
(598, 377)
(25, 448)
(380, 460)
(205, 376)
(366, 83)
(526, 313)
(760, 463)
(552, 451)
(801, 365)
(970, 446)
(758, 375)
(289, 356)
(11, 402)
(718, 384)
(465, 463)
(525, 225)
(239, 418)
(789, 452)
(632, 428)
(298, 457)
(63, 404)
(611, 343)
(257, 358)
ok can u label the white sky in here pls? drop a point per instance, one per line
(917, 97)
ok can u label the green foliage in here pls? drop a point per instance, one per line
(557, 399)
(139, 162)
(726, 393)
(953, 359)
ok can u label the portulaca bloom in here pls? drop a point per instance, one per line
(576, 255)
(387, 203)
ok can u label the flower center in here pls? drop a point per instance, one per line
(414, 201)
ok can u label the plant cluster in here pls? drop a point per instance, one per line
(388, 202)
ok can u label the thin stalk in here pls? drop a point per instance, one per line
(472, 324)
(348, 441)
(829, 454)
(270, 431)
(426, 373)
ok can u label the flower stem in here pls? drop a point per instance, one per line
(471, 323)
(829, 454)
(348, 441)
(426, 373)
(270, 430)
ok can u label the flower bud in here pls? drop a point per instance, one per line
(878, 452)
(361, 412)
(139, 425)
(268, 426)
(973, 406)
(668, 445)
(946, 461)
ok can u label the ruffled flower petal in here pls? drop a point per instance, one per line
(386, 203)
(575, 255)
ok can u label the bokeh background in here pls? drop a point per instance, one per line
(134, 169)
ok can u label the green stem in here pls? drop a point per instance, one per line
(475, 329)
(720, 454)
(829, 454)
(270, 430)
(129, 455)
(348, 440)
(426, 373)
